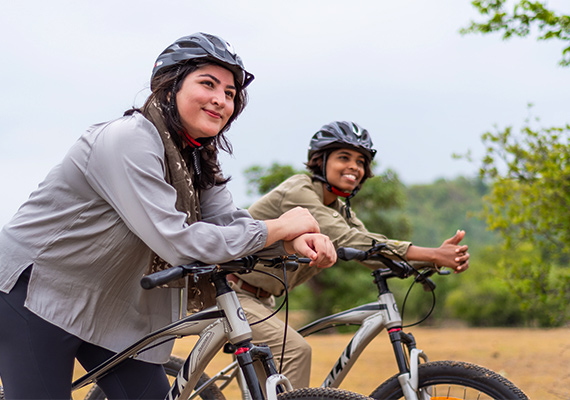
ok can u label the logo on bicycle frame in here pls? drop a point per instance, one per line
(241, 314)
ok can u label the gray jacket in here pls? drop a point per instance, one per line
(89, 229)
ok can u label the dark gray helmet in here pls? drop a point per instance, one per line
(341, 134)
(207, 47)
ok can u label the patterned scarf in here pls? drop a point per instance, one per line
(201, 292)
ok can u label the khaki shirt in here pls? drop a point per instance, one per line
(300, 190)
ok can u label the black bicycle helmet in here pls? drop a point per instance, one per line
(203, 46)
(343, 134)
(340, 134)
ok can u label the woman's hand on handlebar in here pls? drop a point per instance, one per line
(315, 246)
(291, 224)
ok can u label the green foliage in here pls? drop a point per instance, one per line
(436, 211)
(528, 205)
(530, 197)
(262, 180)
(485, 299)
(439, 209)
(489, 303)
(525, 14)
(541, 286)
(529, 174)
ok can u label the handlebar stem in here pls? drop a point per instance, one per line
(220, 283)
(380, 279)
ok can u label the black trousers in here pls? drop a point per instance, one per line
(37, 358)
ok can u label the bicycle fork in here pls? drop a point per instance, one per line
(275, 383)
(408, 377)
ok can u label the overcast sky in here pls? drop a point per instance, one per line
(398, 68)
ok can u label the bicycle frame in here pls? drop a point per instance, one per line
(373, 318)
(214, 326)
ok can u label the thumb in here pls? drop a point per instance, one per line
(455, 239)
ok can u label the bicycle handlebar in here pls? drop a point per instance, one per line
(399, 269)
(240, 265)
(348, 253)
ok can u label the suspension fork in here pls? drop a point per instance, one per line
(409, 376)
(246, 354)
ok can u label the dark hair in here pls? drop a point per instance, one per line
(315, 163)
(165, 85)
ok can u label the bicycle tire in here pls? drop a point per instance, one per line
(172, 366)
(321, 394)
(454, 380)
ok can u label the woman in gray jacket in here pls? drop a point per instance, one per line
(132, 196)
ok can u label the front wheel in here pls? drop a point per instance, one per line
(453, 380)
(321, 394)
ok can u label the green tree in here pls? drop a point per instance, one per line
(439, 208)
(529, 175)
(436, 210)
(524, 15)
(528, 205)
(261, 180)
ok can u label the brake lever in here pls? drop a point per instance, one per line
(426, 282)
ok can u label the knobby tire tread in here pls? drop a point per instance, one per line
(454, 373)
(321, 394)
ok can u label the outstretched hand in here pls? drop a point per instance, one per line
(453, 255)
(450, 254)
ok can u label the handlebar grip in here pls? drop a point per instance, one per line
(348, 253)
(161, 277)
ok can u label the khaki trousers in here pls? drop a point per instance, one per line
(297, 360)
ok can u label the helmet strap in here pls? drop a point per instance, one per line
(190, 141)
(338, 192)
(196, 147)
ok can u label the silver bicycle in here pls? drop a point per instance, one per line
(215, 326)
(417, 377)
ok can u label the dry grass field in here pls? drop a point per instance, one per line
(536, 360)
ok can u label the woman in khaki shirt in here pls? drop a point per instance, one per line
(339, 160)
